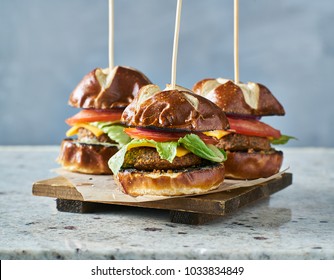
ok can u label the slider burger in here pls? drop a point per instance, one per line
(172, 150)
(102, 95)
(248, 142)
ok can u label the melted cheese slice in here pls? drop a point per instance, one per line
(180, 151)
(93, 129)
(217, 133)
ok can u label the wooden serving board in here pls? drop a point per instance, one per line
(188, 210)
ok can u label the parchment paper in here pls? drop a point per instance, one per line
(103, 188)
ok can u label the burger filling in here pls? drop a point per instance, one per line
(251, 134)
(179, 152)
(103, 133)
(98, 127)
(252, 137)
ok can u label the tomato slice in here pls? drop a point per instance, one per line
(253, 128)
(164, 136)
(91, 115)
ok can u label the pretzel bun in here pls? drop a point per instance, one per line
(171, 183)
(232, 98)
(176, 109)
(85, 158)
(105, 89)
(243, 165)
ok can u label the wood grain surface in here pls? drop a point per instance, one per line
(190, 210)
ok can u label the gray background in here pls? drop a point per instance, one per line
(47, 46)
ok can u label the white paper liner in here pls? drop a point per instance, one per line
(103, 188)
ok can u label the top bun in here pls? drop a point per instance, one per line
(173, 109)
(104, 89)
(241, 99)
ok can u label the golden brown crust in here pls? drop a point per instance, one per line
(230, 99)
(174, 109)
(85, 158)
(243, 165)
(100, 89)
(189, 181)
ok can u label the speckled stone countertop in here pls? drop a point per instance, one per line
(295, 223)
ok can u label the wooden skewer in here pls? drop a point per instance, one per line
(236, 41)
(111, 34)
(176, 43)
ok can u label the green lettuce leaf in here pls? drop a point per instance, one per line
(194, 143)
(114, 131)
(116, 161)
(166, 150)
(282, 140)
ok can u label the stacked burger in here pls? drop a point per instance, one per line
(102, 95)
(172, 151)
(248, 142)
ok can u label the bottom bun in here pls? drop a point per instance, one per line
(171, 183)
(243, 165)
(85, 158)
